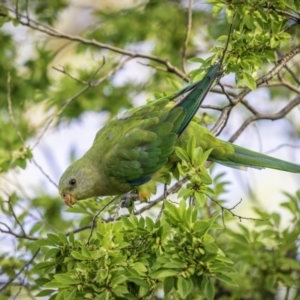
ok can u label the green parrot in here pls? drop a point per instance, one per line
(135, 151)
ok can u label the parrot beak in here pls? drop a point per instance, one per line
(69, 199)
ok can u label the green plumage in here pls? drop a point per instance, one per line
(130, 150)
(231, 155)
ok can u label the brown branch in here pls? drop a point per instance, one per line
(10, 281)
(75, 38)
(90, 83)
(222, 120)
(218, 90)
(63, 71)
(249, 106)
(264, 79)
(17, 235)
(168, 192)
(230, 210)
(15, 217)
(225, 92)
(212, 107)
(283, 83)
(286, 14)
(44, 173)
(259, 116)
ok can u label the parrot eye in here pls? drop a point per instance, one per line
(72, 182)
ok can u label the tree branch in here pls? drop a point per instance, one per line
(75, 38)
(259, 116)
(20, 271)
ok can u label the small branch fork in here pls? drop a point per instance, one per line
(6, 229)
(25, 21)
(263, 81)
(230, 210)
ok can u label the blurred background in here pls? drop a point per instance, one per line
(44, 126)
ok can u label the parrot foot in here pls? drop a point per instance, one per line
(128, 199)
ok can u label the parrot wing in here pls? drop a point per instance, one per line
(139, 143)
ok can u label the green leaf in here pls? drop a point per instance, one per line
(70, 294)
(161, 274)
(249, 81)
(184, 287)
(217, 9)
(51, 253)
(247, 19)
(54, 238)
(44, 293)
(200, 199)
(191, 147)
(72, 238)
(66, 279)
(41, 281)
(196, 60)
(226, 278)
(44, 242)
(174, 265)
(36, 227)
(56, 284)
(174, 83)
(169, 283)
(139, 282)
(140, 268)
(211, 247)
(78, 255)
(182, 154)
(63, 238)
(209, 290)
(43, 265)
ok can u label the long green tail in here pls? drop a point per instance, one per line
(193, 100)
(248, 158)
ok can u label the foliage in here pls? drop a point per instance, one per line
(192, 247)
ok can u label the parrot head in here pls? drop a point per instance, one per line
(77, 183)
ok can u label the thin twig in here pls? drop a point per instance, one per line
(228, 38)
(75, 38)
(279, 115)
(44, 173)
(266, 78)
(15, 217)
(223, 209)
(283, 146)
(63, 71)
(95, 218)
(163, 205)
(222, 120)
(20, 271)
(12, 118)
(90, 84)
(225, 92)
(187, 35)
(17, 235)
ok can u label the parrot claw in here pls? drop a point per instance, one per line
(128, 199)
